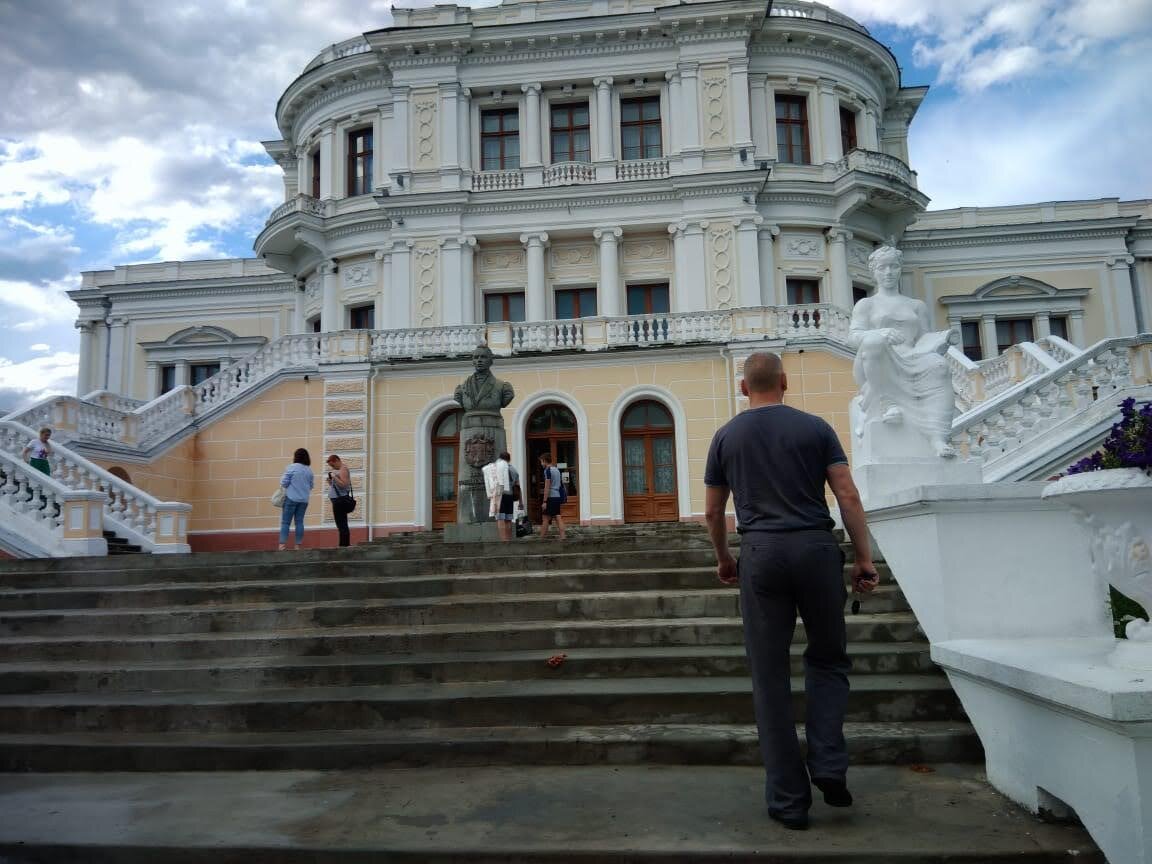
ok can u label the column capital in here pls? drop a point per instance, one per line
(449, 88)
(534, 88)
(769, 231)
(839, 235)
(608, 235)
(758, 82)
(672, 77)
(1120, 262)
(826, 85)
(401, 92)
(448, 242)
(85, 325)
(117, 321)
(329, 128)
(151, 364)
(329, 268)
(988, 316)
(738, 64)
(688, 69)
(748, 223)
(466, 240)
(602, 83)
(381, 254)
(535, 238)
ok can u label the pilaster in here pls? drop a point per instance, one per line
(1043, 325)
(674, 96)
(841, 282)
(1123, 301)
(605, 155)
(691, 148)
(988, 346)
(464, 128)
(401, 130)
(298, 298)
(84, 374)
(451, 282)
(383, 307)
(331, 317)
(741, 119)
(748, 262)
(468, 278)
(117, 328)
(766, 235)
(328, 160)
(829, 120)
(535, 299)
(758, 107)
(611, 300)
(380, 152)
(870, 135)
(400, 290)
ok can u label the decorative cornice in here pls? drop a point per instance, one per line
(999, 235)
(227, 290)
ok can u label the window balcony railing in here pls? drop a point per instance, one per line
(568, 173)
(300, 204)
(872, 162)
(642, 169)
(496, 181)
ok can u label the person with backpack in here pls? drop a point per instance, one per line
(554, 495)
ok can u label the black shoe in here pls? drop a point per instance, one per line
(836, 792)
(798, 822)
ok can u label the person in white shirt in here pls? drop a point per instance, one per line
(38, 450)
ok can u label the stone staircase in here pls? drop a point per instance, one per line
(419, 656)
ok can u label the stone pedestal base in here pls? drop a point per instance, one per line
(878, 480)
(479, 532)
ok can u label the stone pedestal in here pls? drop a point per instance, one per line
(481, 438)
(478, 533)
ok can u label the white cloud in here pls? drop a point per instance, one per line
(40, 347)
(47, 302)
(26, 383)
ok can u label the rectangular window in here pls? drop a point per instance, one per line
(571, 138)
(859, 292)
(315, 169)
(970, 340)
(360, 162)
(847, 130)
(362, 318)
(575, 303)
(507, 306)
(314, 324)
(1012, 331)
(167, 378)
(803, 291)
(640, 136)
(499, 139)
(201, 372)
(1058, 326)
(792, 129)
(648, 299)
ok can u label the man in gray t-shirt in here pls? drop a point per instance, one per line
(775, 461)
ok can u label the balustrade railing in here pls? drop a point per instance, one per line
(642, 169)
(816, 321)
(567, 173)
(1059, 349)
(425, 342)
(548, 335)
(43, 517)
(157, 526)
(299, 204)
(814, 11)
(495, 181)
(875, 162)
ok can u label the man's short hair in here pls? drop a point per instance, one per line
(546, 457)
(505, 455)
(762, 372)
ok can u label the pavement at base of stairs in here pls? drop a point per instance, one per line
(515, 814)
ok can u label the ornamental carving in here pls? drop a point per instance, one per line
(502, 260)
(804, 247)
(479, 450)
(572, 256)
(720, 241)
(715, 101)
(426, 257)
(312, 287)
(358, 274)
(858, 255)
(646, 250)
(424, 113)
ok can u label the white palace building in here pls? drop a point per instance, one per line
(623, 199)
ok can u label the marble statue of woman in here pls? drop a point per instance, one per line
(900, 365)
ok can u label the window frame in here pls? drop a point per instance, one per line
(975, 351)
(314, 167)
(501, 135)
(505, 298)
(801, 282)
(849, 133)
(577, 292)
(648, 288)
(571, 130)
(360, 310)
(784, 143)
(167, 370)
(641, 125)
(193, 367)
(355, 183)
(1028, 323)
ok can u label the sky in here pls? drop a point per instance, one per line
(130, 129)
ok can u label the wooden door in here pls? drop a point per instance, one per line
(552, 429)
(648, 445)
(445, 462)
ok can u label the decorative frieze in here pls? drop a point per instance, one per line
(502, 259)
(424, 130)
(648, 249)
(714, 84)
(720, 242)
(425, 258)
(803, 247)
(570, 256)
(359, 274)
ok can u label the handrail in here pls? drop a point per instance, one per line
(49, 518)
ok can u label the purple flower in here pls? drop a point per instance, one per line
(1128, 443)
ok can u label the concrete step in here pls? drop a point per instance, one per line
(283, 588)
(891, 743)
(249, 617)
(502, 636)
(350, 670)
(560, 702)
(516, 815)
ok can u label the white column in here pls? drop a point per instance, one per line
(1123, 303)
(766, 235)
(535, 299)
(383, 292)
(451, 282)
(690, 113)
(303, 187)
(1042, 325)
(331, 311)
(468, 278)
(674, 97)
(741, 120)
(829, 120)
(841, 282)
(400, 131)
(988, 341)
(770, 98)
(605, 153)
(400, 291)
(117, 327)
(182, 376)
(327, 160)
(748, 262)
(695, 293)
(152, 382)
(530, 134)
(449, 118)
(758, 105)
(84, 373)
(679, 268)
(464, 128)
(870, 134)
(298, 306)
(611, 300)
(1076, 328)
(380, 152)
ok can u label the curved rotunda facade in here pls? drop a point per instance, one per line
(623, 199)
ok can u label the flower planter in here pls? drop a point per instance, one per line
(1115, 508)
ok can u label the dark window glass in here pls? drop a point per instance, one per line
(449, 426)
(792, 129)
(859, 292)
(508, 306)
(970, 340)
(648, 299)
(499, 139)
(360, 162)
(167, 378)
(1058, 326)
(316, 173)
(201, 372)
(552, 418)
(314, 324)
(575, 303)
(362, 318)
(571, 138)
(646, 414)
(847, 130)
(640, 128)
(1012, 331)
(803, 291)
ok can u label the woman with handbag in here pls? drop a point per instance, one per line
(340, 496)
(297, 484)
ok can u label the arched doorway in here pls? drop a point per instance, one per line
(552, 429)
(648, 444)
(445, 451)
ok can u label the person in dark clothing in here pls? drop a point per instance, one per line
(775, 460)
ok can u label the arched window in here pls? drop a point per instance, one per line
(445, 460)
(552, 429)
(648, 445)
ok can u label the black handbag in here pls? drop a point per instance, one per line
(344, 502)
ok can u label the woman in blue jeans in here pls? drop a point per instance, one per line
(297, 482)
